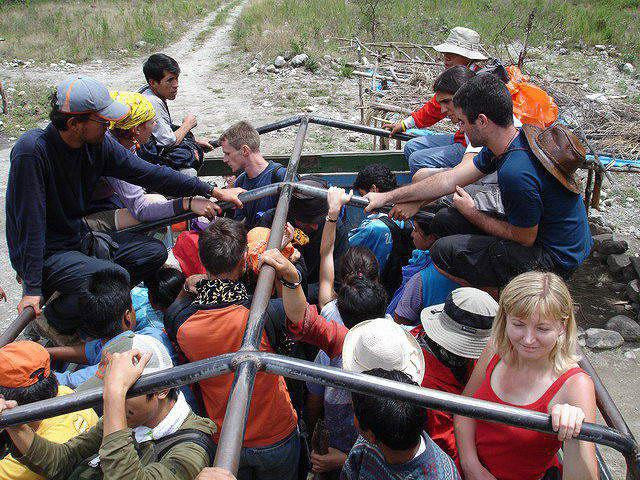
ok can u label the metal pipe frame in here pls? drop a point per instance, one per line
(17, 326)
(235, 420)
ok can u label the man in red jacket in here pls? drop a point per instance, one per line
(441, 150)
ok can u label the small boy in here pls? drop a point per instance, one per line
(392, 443)
(109, 312)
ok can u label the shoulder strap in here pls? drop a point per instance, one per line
(275, 178)
(191, 435)
(492, 364)
(394, 228)
(557, 385)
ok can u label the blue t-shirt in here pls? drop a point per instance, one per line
(252, 211)
(376, 236)
(532, 196)
(146, 316)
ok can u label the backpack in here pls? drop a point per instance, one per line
(85, 471)
(401, 249)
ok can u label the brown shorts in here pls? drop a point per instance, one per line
(104, 221)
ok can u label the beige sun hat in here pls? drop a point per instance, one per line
(462, 324)
(462, 41)
(382, 343)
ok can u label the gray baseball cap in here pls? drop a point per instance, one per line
(78, 95)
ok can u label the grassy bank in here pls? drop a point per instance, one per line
(80, 30)
(28, 106)
(274, 25)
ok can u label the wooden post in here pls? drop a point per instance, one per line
(588, 190)
(360, 99)
(597, 186)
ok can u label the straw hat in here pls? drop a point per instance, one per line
(559, 151)
(382, 343)
(462, 324)
(462, 41)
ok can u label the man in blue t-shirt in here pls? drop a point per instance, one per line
(241, 147)
(374, 233)
(545, 223)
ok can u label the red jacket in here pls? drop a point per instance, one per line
(431, 113)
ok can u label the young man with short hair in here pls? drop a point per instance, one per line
(161, 73)
(154, 436)
(546, 223)
(25, 377)
(214, 324)
(392, 442)
(52, 178)
(241, 148)
(461, 48)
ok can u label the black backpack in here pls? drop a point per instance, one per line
(401, 250)
(84, 471)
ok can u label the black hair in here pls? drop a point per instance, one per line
(361, 299)
(156, 66)
(164, 286)
(105, 302)
(423, 225)
(395, 423)
(452, 79)
(485, 94)
(458, 365)
(222, 245)
(171, 395)
(358, 262)
(43, 389)
(376, 174)
(307, 208)
(59, 119)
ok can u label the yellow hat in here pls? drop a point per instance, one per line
(141, 110)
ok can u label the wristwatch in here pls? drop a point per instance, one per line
(290, 285)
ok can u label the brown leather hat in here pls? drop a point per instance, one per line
(560, 152)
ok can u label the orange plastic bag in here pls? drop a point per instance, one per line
(531, 104)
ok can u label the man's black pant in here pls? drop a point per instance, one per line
(68, 272)
(464, 251)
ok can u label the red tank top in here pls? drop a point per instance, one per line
(513, 453)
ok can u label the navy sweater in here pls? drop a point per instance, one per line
(50, 188)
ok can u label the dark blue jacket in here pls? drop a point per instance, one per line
(50, 188)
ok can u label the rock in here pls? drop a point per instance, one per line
(598, 97)
(352, 137)
(629, 273)
(629, 199)
(608, 244)
(617, 263)
(563, 51)
(601, 48)
(140, 44)
(601, 339)
(299, 60)
(310, 108)
(267, 104)
(632, 354)
(271, 69)
(252, 70)
(597, 229)
(279, 61)
(628, 68)
(633, 290)
(625, 326)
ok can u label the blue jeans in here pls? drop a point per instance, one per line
(275, 462)
(433, 151)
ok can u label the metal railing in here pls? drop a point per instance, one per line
(245, 363)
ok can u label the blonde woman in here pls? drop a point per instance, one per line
(530, 363)
(135, 205)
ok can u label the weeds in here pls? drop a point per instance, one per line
(27, 105)
(81, 30)
(272, 26)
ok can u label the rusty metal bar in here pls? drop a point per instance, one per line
(356, 201)
(270, 127)
(15, 328)
(233, 427)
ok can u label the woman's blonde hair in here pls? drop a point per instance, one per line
(546, 293)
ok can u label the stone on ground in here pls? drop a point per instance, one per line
(279, 61)
(625, 326)
(299, 60)
(601, 339)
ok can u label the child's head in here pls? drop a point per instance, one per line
(106, 305)
(396, 424)
(375, 177)
(421, 235)
(164, 287)
(361, 299)
(358, 262)
(536, 319)
(223, 247)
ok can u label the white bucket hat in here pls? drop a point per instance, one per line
(462, 324)
(382, 343)
(462, 41)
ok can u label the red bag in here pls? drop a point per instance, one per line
(531, 104)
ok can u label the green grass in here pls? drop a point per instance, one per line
(219, 19)
(276, 25)
(81, 30)
(28, 107)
